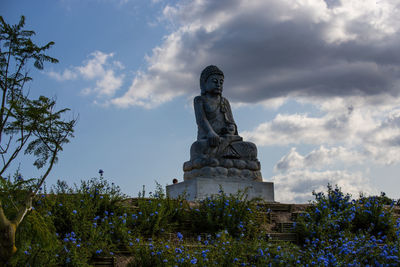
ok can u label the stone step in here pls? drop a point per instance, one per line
(269, 216)
(284, 227)
(277, 207)
(286, 237)
(295, 215)
(103, 261)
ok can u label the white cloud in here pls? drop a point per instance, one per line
(94, 67)
(383, 143)
(360, 126)
(318, 159)
(67, 74)
(97, 69)
(296, 186)
(274, 50)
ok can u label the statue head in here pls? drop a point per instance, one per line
(207, 73)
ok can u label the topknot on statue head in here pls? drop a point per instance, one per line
(207, 72)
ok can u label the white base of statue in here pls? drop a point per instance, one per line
(201, 187)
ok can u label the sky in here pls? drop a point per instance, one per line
(315, 84)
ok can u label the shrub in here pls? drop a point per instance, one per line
(233, 213)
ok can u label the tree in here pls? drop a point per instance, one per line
(30, 125)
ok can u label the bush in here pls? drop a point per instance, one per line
(158, 214)
(340, 231)
(72, 225)
(233, 213)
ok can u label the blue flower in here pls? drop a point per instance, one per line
(179, 235)
(74, 212)
(261, 252)
(193, 261)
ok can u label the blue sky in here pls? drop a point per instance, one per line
(314, 84)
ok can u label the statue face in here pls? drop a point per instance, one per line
(214, 84)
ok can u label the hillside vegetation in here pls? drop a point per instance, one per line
(94, 223)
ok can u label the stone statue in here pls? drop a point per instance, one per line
(219, 151)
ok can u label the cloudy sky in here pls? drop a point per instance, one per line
(315, 84)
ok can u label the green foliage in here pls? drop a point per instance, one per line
(13, 192)
(335, 214)
(30, 124)
(233, 213)
(71, 225)
(158, 214)
(223, 250)
(37, 242)
(339, 231)
(372, 217)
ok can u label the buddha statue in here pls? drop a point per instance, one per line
(219, 150)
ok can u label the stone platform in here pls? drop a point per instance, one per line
(201, 187)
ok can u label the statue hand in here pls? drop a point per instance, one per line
(213, 139)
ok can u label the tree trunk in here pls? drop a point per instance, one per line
(7, 237)
(8, 229)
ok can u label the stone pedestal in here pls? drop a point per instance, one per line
(201, 187)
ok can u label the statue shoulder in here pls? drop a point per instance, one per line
(225, 102)
(198, 100)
